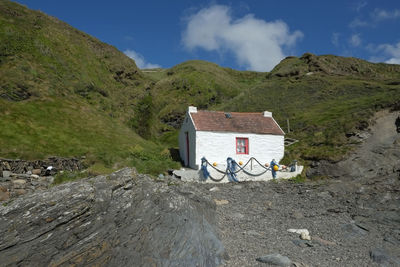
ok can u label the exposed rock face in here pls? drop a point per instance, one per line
(123, 219)
(377, 158)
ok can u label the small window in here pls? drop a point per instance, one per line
(242, 145)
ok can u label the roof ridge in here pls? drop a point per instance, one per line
(239, 122)
(220, 111)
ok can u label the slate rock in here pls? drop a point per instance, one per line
(98, 222)
(391, 239)
(353, 230)
(275, 259)
(379, 255)
(302, 243)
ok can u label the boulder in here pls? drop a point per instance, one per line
(381, 256)
(6, 174)
(36, 171)
(221, 201)
(275, 259)
(299, 231)
(19, 183)
(20, 192)
(5, 166)
(305, 236)
(4, 196)
(100, 221)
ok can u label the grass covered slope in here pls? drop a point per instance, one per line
(199, 83)
(64, 93)
(326, 99)
(41, 56)
(56, 127)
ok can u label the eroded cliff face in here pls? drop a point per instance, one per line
(123, 219)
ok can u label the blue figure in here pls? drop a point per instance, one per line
(231, 168)
(273, 170)
(206, 174)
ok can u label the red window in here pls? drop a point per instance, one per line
(242, 145)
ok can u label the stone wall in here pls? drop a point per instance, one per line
(26, 167)
(18, 177)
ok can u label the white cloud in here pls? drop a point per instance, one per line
(358, 23)
(381, 14)
(256, 44)
(140, 61)
(392, 51)
(375, 17)
(335, 38)
(387, 53)
(360, 5)
(355, 40)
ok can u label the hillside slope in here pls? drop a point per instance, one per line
(199, 83)
(64, 93)
(327, 100)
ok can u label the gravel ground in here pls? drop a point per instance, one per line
(353, 220)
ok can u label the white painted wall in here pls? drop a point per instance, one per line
(187, 126)
(218, 146)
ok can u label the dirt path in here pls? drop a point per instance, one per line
(353, 220)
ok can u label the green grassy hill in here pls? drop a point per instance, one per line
(199, 83)
(65, 93)
(326, 99)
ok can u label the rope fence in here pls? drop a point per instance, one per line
(232, 169)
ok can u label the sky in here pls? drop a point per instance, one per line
(244, 35)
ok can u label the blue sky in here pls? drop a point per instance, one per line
(243, 35)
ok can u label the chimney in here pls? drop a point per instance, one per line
(267, 114)
(192, 109)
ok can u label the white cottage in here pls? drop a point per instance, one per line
(217, 135)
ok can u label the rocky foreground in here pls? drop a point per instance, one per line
(353, 218)
(129, 219)
(124, 219)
